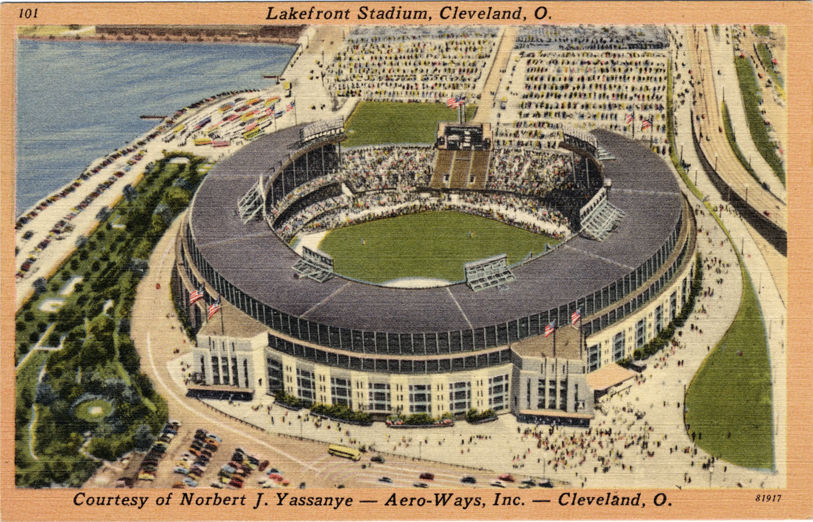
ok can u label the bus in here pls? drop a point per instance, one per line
(344, 451)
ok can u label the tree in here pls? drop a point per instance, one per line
(143, 438)
(176, 199)
(94, 353)
(45, 394)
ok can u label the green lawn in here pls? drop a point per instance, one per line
(729, 400)
(732, 141)
(426, 245)
(767, 60)
(751, 97)
(374, 123)
(93, 411)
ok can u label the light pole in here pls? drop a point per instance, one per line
(711, 472)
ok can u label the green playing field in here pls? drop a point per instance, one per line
(427, 245)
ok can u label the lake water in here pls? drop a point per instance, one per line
(78, 101)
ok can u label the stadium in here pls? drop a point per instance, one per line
(537, 338)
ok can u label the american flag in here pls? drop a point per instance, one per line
(550, 328)
(575, 316)
(290, 107)
(646, 124)
(455, 102)
(629, 119)
(196, 296)
(213, 309)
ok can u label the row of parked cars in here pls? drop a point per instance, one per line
(150, 463)
(193, 461)
(236, 472)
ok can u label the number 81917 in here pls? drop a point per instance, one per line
(768, 498)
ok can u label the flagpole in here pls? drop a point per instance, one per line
(296, 121)
(222, 326)
(554, 340)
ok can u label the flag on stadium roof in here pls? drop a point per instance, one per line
(575, 316)
(629, 119)
(196, 296)
(279, 114)
(646, 124)
(550, 328)
(290, 106)
(213, 309)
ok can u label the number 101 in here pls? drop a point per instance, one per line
(28, 13)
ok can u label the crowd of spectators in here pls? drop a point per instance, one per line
(376, 168)
(618, 91)
(389, 64)
(527, 171)
(384, 182)
(611, 37)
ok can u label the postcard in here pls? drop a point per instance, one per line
(419, 260)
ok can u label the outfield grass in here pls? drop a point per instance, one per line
(375, 123)
(426, 245)
(759, 133)
(729, 401)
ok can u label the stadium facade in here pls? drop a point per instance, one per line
(527, 347)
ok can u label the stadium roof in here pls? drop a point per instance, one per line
(257, 262)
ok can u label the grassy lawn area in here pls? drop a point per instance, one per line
(732, 141)
(93, 411)
(762, 30)
(374, 123)
(751, 98)
(389, 249)
(767, 60)
(729, 401)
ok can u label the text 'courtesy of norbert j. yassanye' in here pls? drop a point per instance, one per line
(263, 500)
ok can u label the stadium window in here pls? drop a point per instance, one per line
(459, 396)
(419, 398)
(215, 370)
(640, 333)
(340, 391)
(431, 343)
(454, 341)
(406, 343)
(618, 346)
(540, 390)
(593, 358)
(658, 319)
(379, 396)
(305, 385)
(673, 305)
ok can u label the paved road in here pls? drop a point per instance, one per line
(714, 142)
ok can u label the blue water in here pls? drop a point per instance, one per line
(78, 101)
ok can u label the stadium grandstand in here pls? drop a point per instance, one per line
(575, 152)
(281, 332)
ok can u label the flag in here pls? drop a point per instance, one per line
(290, 107)
(646, 124)
(629, 119)
(550, 328)
(279, 114)
(213, 309)
(457, 101)
(575, 316)
(196, 296)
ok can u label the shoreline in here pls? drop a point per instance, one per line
(149, 149)
(149, 39)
